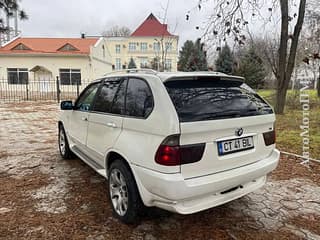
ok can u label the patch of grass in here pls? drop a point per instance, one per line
(292, 99)
(288, 131)
(288, 124)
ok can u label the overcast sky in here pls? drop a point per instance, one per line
(68, 18)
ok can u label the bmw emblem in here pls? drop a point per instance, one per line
(239, 131)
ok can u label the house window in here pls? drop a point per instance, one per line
(169, 46)
(118, 63)
(156, 46)
(168, 65)
(132, 46)
(118, 48)
(18, 75)
(144, 47)
(143, 62)
(70, 76)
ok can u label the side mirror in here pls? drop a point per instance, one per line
(66, 105)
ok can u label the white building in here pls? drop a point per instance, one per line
(24, 60)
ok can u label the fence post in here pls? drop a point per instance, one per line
(58, 89)
(27, 90)
(78, 82)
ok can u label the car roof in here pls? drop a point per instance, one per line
(165, 76)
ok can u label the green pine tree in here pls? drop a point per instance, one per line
(192, 57)
(252, 69)
(132, 64)
(224, 62)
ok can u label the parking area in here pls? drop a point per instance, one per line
(45, 197)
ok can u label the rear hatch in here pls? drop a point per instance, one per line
(226, 115)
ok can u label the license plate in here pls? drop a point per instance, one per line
(235, 145)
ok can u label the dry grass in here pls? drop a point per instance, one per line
(288, 124)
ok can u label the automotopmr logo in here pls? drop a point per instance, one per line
(305, 123)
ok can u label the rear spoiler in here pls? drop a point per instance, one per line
(227, 78)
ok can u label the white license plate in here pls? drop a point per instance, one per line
(235, 145)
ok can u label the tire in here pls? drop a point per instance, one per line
(122, 185)
(64, 148)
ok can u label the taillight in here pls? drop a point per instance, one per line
(171, 153)
(168, 155)
(270, 137)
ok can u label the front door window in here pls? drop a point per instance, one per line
(85, 101)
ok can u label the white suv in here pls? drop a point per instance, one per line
(183, 142)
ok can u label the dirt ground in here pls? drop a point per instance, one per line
(45, 197)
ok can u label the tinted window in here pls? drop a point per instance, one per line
(106, 94)
(84, 103)
(139, 101)
(208, 99)
(119, 99)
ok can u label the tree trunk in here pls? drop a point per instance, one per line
(8, 26)
(318, 84)
(281, 74)
(281, 99)
(286, 64)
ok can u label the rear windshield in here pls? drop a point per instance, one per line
(209, 99)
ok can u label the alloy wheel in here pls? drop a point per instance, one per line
(118, 192)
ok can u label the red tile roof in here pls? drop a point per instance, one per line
(50, 45)
(151, 27)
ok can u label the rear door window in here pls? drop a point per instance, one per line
(118, 104)
(209, 98)
(139, 100)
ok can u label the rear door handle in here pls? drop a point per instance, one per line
(84, 119)
(111, 124)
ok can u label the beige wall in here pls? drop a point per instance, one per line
(138, 55)
(101, 61)
(92, 66)
(52, 63)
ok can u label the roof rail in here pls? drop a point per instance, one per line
(134, 70)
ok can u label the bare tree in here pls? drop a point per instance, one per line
(231, 19)
(267, 49)
(117, 31)
(311, 41)
(9, 8)
(164, 41)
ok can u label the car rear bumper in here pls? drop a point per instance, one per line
(173, 193)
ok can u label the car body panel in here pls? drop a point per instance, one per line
(77, 126)
(174, 193)
(211, 132)
(185, 188)
(103, 132)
